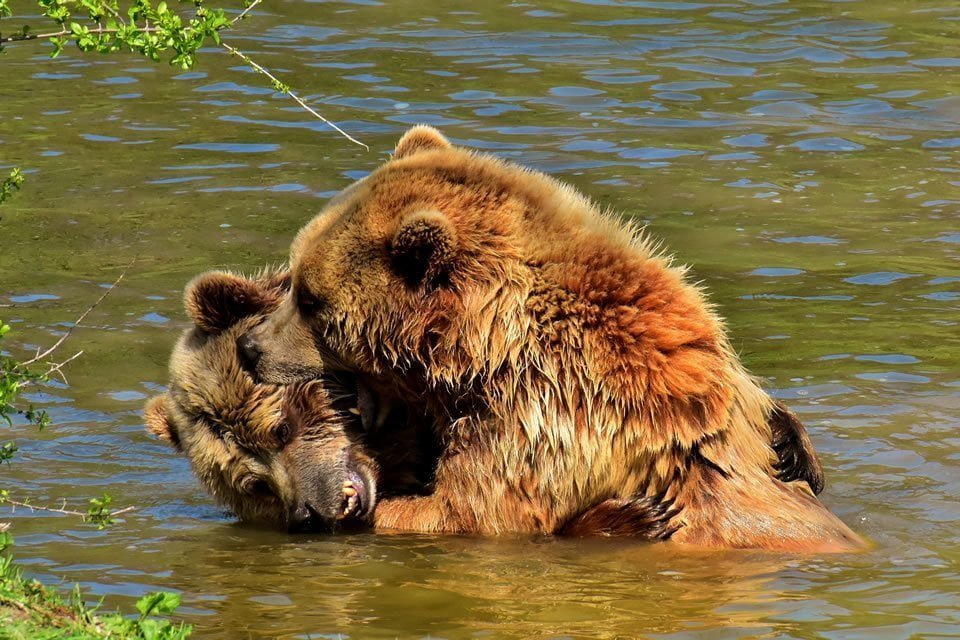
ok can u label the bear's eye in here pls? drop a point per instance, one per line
(283, 434)
(258, 488)
(308, 303)
(217, 430)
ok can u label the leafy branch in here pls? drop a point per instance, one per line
(148, 29)
(97, 513)
(12, 182)
(14, 377)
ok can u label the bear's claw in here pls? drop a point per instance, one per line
(796, 457)
(642, 517)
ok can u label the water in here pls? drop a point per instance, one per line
(802, 157)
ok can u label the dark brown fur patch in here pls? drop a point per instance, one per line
(796, 458)
(423, 247)
(646, 518)
(217, 300)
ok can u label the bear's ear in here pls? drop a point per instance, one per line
(423, 248)
(217, 300)
(157, 418)
(275, 281)
(420, 138)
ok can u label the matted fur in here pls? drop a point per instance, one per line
(565, 361)
(264, 451)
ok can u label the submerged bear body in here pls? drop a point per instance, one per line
(567, 366)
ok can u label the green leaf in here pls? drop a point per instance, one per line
(6, 540)
(160, 602)
(7, 452)
(58, 44)
(10, 184)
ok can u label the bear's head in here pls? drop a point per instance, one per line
(419, 269)
(283, 456)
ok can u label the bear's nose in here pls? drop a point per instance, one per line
(250, 351)
(304, 518)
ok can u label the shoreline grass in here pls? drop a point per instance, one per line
(30, 610)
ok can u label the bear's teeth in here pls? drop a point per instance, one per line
(351, 506)
(354, 410)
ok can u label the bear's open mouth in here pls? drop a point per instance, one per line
(359, 493)
(396, 447)
(355, 401)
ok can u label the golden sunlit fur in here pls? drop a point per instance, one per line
(566, 363)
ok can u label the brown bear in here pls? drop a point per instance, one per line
(299, 456)
(273, 455)
(567, 365)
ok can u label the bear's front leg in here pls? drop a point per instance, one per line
(469, 496)
(454, 505)
(423, 514)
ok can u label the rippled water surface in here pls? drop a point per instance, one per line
(801, 156)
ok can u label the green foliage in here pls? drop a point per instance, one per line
(99, 512)
(159, 602)
(12, 182)
(7, 451)
(150, 29)
(28, 609)
(13, 378)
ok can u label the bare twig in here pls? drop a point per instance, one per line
(56, 345)
(62, 510)
(285, 89)
(115, 13)
(244, 13)
(56, 368)
(34, 507)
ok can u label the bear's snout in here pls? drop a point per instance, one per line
(250, 352)
(304, 518)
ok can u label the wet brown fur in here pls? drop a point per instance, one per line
(566, 361)
(261, 450)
